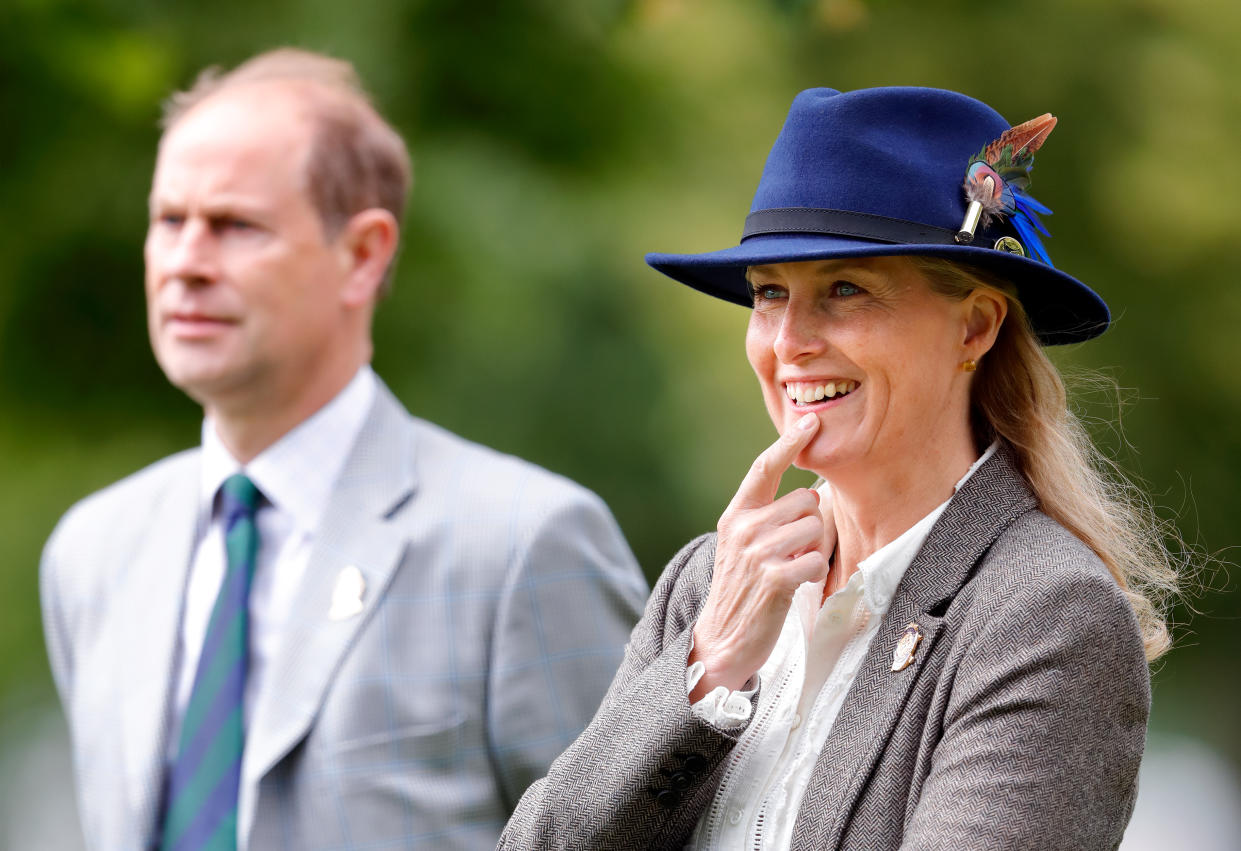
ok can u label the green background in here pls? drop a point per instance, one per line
(556, 142)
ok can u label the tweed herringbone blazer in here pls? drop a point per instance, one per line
(1019, 725)
(497, 601)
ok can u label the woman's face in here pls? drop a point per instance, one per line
(869, 348)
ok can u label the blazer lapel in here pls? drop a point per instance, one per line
(378, 478)
(988, 502)
(148, 637)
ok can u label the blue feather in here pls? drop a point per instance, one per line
(1029, 237)
(1024, 200)
(1030, 214)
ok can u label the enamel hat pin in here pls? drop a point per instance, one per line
(903, 655)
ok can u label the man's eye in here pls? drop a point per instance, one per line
(171, 219)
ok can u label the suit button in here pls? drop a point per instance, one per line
(694, 763)
(667, 798)
(679, 781)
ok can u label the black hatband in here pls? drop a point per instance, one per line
(845, 223)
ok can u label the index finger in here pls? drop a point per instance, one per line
(760, 484)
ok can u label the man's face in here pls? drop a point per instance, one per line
(242, 284)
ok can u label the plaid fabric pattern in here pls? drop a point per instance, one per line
(498, 598)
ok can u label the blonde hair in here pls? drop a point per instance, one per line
(357, 161)
(1019, 397)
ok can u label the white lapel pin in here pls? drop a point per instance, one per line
(347, 594)
(903, 655)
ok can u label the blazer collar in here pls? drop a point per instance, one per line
(355, 539)
(986, 504)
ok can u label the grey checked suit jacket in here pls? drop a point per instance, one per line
(498, 600)
(1019, 725)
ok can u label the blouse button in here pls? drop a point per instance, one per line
(796, 721)
(734, 816)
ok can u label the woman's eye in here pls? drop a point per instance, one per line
(844, 288)
(768, 293)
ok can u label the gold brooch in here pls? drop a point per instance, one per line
(903, 655)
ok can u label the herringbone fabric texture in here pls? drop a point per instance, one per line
(1019, 725)
(204, 780)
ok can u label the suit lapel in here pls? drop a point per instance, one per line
(988, 502)
(377, 479)
(148, 637)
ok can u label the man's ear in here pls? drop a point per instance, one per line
(985, 310)
(367, 245)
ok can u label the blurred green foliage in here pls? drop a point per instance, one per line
(554, 143)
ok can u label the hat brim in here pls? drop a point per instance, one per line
(1061, 308)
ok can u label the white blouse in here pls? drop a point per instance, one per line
(804, 683)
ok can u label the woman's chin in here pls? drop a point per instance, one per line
(832, 454)
(822, 461)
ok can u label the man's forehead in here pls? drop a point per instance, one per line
(263, 111)
(244, 139)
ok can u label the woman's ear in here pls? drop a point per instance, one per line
(985, 310)
(367, 245)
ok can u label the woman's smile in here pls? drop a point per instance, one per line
(818, 394)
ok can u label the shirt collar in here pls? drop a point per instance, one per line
(297, 472)
(881, 571)
(982, 459)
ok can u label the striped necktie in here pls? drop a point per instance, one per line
(201, 812)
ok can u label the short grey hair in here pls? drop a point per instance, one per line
(357, 161)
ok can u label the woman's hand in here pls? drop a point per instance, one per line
(765, 550)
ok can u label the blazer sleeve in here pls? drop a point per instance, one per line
(572, 593)
(1045, 726)
(642, 773)
(56, 623)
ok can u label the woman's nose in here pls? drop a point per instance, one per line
(800, 334)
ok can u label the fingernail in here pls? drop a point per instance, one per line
(807, 421)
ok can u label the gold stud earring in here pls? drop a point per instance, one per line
(969, 365)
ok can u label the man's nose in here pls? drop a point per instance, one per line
(191, 254)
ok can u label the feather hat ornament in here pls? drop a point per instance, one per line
(996, 180)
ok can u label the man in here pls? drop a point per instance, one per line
(333, 625)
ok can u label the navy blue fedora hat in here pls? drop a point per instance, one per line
(878, 172)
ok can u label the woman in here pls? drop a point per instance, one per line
(945, 644)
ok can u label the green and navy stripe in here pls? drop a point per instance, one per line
(203, 784)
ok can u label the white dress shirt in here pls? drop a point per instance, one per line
(804, 683)
(295, 476)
